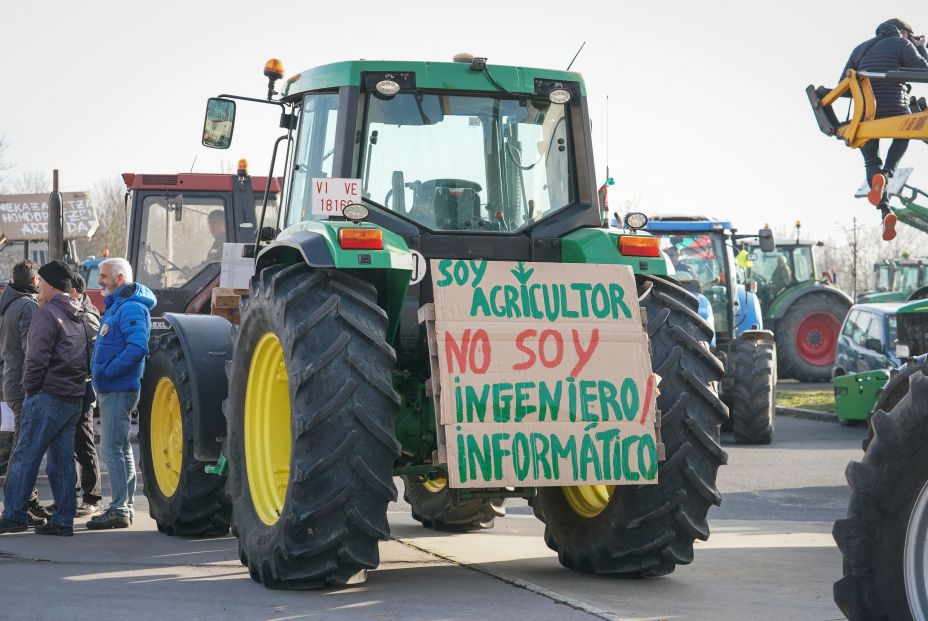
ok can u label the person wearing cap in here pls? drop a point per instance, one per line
(85, 453)
(117, 365)
(894, 47)
(54, 374)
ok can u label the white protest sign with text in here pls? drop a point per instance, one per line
(545, 374)
(25, 216)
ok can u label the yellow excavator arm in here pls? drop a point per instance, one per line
(862, 125)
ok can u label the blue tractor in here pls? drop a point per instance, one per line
(701, 253)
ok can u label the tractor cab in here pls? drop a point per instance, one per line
(179, 224)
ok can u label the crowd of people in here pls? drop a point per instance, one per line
(59, 360)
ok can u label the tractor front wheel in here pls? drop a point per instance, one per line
(754, 368)
(647, 530)
(311, 444)
(435, 505)
(884, 538)
(182, 498)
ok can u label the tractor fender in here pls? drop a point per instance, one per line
(782, 306)
(756, 335)
(310, 247)
(206, 341)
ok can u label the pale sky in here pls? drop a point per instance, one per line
(707, 109)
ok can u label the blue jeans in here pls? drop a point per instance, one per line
(47, 425)
(115, 416)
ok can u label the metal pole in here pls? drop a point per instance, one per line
(55, 222)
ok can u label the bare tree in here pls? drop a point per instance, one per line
(31, 182)
(109, 199)
(5, 164)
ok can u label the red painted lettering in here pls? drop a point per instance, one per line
(482, 342)
(467, 351)
(583, 355)
(559, 353)
(459, 353)
(520, 345)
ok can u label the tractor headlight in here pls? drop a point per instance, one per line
(636, 220)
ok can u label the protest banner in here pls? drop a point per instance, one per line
(25, 216)
(544, 375)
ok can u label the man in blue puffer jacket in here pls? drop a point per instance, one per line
(894, 47)
(117, 365)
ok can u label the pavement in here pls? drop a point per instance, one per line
(770, 556)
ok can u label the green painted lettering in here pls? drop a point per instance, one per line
(565, 451)
(565, 309)
(647, 447)
(617, 294)
(571, 400)
(523, 405)
(587, 396)
(630, 475)
(547, 401)
(589, 457)
(479, 304)
(521, 455)
(536, 311)
(629, 398)
(552, 302)
(479, 268)
(583, 289)
(498, 453)
(476, 404)
(477, 458)
(540, 456)
(607, 437)
(599, 301)
(511, 295)
(502, 402)
(443, 266)
(607, 400)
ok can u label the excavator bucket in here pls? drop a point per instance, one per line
(862, 124)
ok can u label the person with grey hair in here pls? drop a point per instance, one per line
(116, 367)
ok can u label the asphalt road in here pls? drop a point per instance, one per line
(770, 556)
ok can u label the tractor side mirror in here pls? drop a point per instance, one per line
(219, 123)
(874, 344)
(765, 236)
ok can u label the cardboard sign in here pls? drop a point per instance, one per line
(25, 216)
(330, 196)
(544, 375)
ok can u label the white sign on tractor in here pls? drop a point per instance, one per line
(544, 375)
(331, 195)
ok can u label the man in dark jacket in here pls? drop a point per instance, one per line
(17, 305)
(894, 47)
(85, 453)
(54, 374)
(117, 365)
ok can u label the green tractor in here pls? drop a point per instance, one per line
(883, 538)
(400, 178)
(803, 312)
(898, 280)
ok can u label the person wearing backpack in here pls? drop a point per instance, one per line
(895, 46)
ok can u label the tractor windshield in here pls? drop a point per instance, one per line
(467, 163)
(884, 278)
(700, 263)
(907, 276)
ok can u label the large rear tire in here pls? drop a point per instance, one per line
(754, 368)
(434, 504)
(648, 530)
(182, 498)
(884, 538)
(311, 411)
(807, 336)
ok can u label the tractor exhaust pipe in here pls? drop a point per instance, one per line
(55, 222)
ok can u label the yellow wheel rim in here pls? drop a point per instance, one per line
(267, 429)
(166, 435)
(588, 500)
(435, 485)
